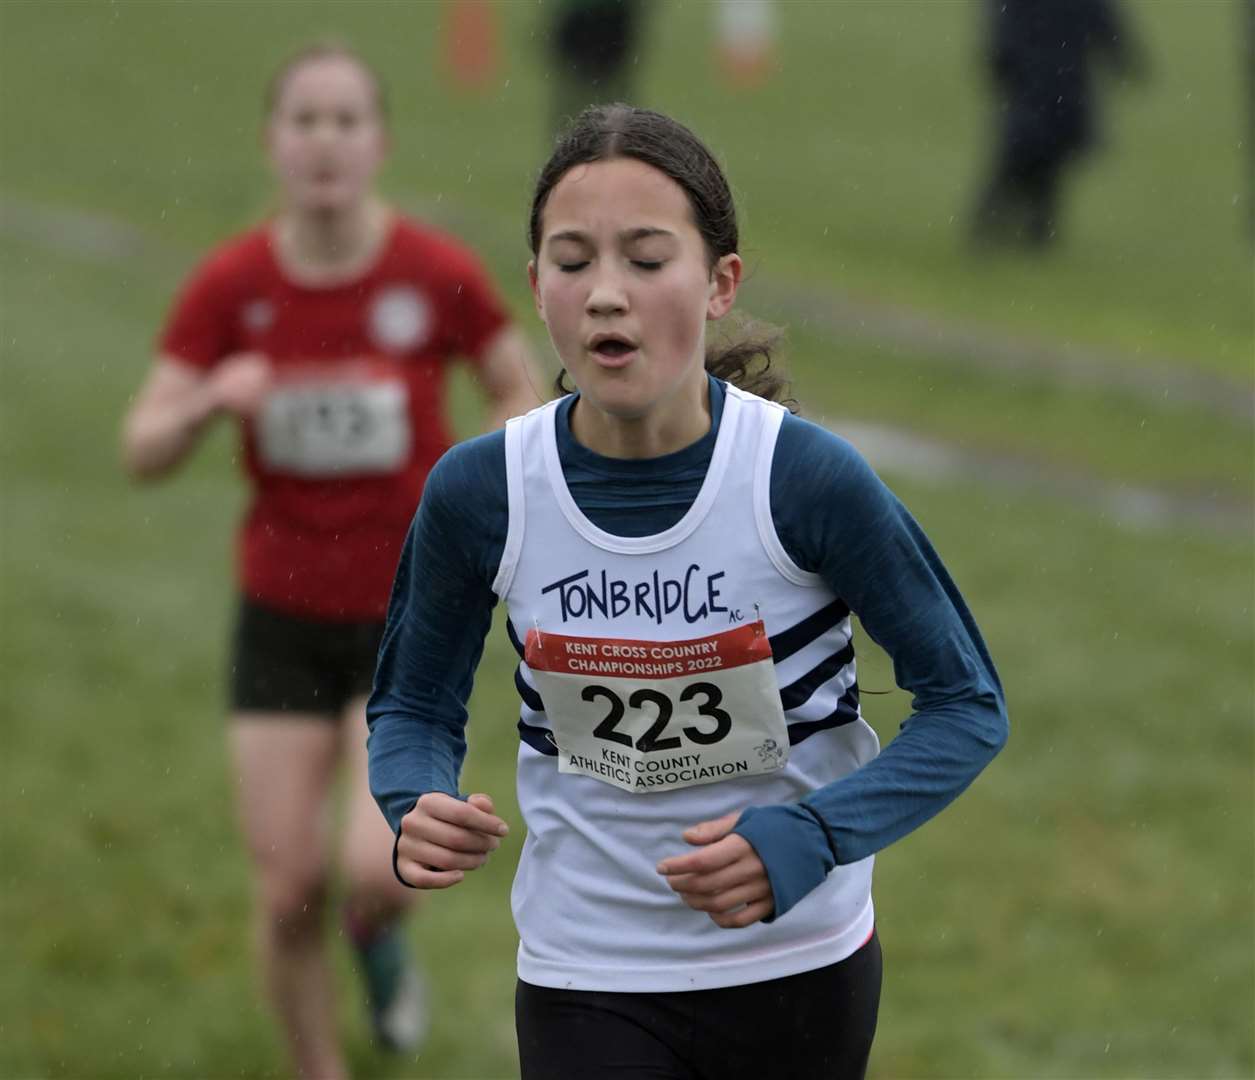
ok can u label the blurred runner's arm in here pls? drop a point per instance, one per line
(200, 371)
(481, 330)
(508, 374)
(176, 402)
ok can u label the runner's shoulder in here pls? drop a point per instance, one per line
(235, 262)
(465, 509)
(825, 497)
(432, 248)
(472, 471)
(814, 458)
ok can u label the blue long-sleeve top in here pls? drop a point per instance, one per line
(835, 518)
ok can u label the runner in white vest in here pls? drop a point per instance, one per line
(679, 558)
(651, 657)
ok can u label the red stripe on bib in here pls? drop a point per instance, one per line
(628, 659)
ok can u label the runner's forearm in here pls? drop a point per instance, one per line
(438, 618)
(158, 436)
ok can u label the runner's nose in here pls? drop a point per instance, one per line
(607, 296)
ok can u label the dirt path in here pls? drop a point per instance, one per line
(995, 351)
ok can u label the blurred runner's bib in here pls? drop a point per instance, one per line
(323, 425)
(659, 715)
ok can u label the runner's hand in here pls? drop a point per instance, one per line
(443, 837)
(725, 878)
(240, 383)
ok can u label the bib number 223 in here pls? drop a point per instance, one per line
(655, 738)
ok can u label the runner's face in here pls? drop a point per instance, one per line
(325, 137)
(623, 284)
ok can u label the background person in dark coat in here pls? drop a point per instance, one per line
(593, 44)
(1042, 54)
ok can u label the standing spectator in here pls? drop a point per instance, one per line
(593, 44)
(1041, 55)
(327, 333)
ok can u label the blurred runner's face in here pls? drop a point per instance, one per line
(623, 284)
(325, 137)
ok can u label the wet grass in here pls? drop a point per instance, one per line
(1085, 910)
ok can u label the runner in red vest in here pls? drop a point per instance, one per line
(327, 332)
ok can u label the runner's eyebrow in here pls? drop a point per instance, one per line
(644, 232)
(627, 236)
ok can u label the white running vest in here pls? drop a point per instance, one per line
(653, 656)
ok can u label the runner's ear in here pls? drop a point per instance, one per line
(531, 281)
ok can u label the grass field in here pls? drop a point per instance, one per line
(1087, 909)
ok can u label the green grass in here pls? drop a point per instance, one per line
(1084, 910)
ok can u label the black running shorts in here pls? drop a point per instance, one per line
(284, 663)
(817, 1025)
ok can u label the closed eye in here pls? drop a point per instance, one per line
(572, 267)
(647, 264)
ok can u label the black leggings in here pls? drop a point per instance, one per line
(817, 1025)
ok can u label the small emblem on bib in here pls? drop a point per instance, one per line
(649, 716)
(399, 320)
(771, 752)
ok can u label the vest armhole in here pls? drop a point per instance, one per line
(515, 507)
(785, 566)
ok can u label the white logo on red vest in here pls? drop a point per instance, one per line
(258, 316)
(400, 319)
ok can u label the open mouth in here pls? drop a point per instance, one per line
(612, 347)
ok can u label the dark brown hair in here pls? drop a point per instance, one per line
(328, 49)
(742, 356)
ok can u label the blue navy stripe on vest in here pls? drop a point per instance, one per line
(846, 712)
(538, 738)
(787, 642)
(798, 693)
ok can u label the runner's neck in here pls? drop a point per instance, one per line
(326, 249)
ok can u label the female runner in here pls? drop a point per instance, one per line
(327, 332)
(680, 559)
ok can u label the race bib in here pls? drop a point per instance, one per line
(659, 715)
(331, 427)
